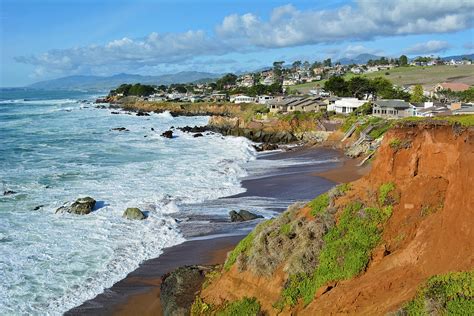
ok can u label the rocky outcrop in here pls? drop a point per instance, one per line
(179, 288)
(242, 216)
(141, 113)
(133, 213)
(8, 192)
(167, 134)
(81, 206)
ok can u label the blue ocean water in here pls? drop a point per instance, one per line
(55, 148)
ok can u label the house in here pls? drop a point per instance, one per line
(278, 105)
(243, 99)
(392, 109)
(461, 108)
(453, 86)
(218, 97)
(264, 99)
(267, 81)
(347, 105)
(245, 81)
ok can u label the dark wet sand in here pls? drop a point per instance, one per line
(138, 293)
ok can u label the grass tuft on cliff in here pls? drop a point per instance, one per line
(244, 307)
(346, 252)
(446, 294)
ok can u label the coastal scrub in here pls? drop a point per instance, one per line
(446, 294)
(346, 252)
(244, 307)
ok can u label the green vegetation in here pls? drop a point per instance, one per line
(244, 307)
(386, 194)
(395, 143)
(319, 204)
(359, 86)
(346, 252)
(200, 308)
(134, 89)
(244, 245)
(464, 120)
(447, 294)
(417, 95)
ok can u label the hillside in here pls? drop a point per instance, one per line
(98, 83)
(401, 76)
(386, 242)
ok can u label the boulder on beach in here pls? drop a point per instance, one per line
(167, 134)
(133, 213)
(243, 216)
(81, 206)
(179, 288)
(265, 147)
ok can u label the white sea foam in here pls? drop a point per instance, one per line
(51, 262)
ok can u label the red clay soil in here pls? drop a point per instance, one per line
(431, 230)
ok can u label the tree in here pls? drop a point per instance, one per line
(327, 62)
(227, 80)
(277, 68)
(306, 65)
(337, 85)
(403, 60)
(417, 95)
(359, 86)
(296, 64)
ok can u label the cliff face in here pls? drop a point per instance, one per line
(410, 218)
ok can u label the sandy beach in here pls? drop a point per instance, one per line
(139, 292)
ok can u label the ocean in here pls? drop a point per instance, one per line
(56, 146)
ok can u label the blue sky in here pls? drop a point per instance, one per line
(52, 38)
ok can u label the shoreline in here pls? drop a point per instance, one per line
(138, 292)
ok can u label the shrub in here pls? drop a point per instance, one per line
(242, 247)
(319, 204)
(447, 294)
(386, 196)
(395, 143)
(244, 307)
(200, 308)
(346, 252)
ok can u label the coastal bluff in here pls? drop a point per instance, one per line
(373, 246)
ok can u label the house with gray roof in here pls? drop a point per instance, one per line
(392, 109)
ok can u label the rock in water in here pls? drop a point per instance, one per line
(197, 135)
(82, 206)
(8, 192)
(141, 113)
(133, 213)
(243, 216)
(168, 134)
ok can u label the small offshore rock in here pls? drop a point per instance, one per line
(133, 213)
(198, 135)
(8, 192)
(120, 129)
(114, 112)
(37, 207)
(81, 206)
(167, 134)
(141, 113)
(243, 216)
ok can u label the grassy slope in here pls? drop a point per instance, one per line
(426, 76)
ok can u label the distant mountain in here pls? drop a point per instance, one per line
(458, 57)
(98, 83)
(360, 59)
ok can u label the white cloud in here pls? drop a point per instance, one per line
(286, 26)
(430, 47)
